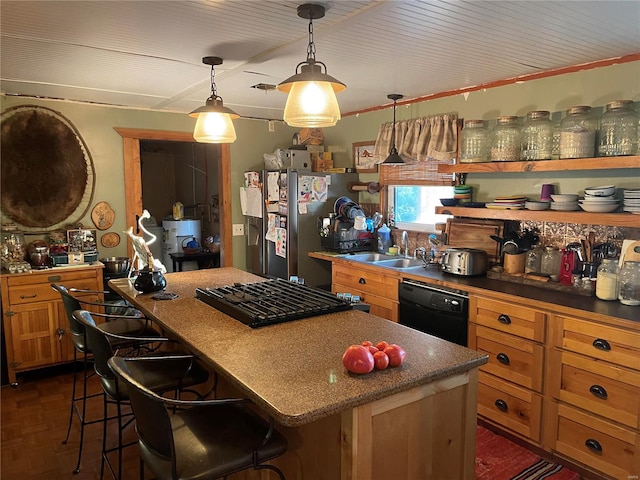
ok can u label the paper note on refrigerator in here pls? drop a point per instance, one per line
(281, 242)
(273, 189)
(251, 201)
(271, 228)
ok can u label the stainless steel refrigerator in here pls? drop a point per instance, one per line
(285, 200)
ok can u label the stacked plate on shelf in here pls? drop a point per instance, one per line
(565, 202)
(631, 200)
(462, 193)
(535, 205)
(512, 202)
(600, 199)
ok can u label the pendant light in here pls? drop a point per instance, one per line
(393, 153)
(214, 123)
(312, 94)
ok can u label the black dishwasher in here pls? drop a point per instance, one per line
(438, 311)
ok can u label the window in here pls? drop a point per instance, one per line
(414, 206)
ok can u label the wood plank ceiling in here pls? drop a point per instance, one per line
(147, 54)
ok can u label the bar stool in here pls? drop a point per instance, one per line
(121, 324)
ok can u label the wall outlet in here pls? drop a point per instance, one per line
(238, 229)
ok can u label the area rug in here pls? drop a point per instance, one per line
(500, 459)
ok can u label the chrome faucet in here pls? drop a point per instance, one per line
(405, 243)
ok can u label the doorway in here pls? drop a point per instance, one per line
(133, 181)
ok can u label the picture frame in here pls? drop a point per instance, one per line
(81, 240)
(363, 157)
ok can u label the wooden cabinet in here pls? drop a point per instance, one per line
(380, 291)
(35, 322)
(594, 395)
(511, 384)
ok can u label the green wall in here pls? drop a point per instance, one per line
(593, 87)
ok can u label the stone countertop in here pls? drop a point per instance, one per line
(571, 304)
(294, 370)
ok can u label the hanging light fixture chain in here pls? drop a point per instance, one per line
(311, 48)
(214, 92)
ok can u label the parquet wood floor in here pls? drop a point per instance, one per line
(34, 422)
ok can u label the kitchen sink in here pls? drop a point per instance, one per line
(401, 263)
(370, 257)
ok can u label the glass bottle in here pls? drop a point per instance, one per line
(618, 133)
(537, 136)
(578, 133)
(505, 140)
(607, 280)
(629, 280)
(474, 142)
(550, 263)
(534, 260)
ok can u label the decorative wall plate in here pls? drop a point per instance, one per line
(110, 240)
(103, 216)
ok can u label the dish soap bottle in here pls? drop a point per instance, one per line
(384, 238)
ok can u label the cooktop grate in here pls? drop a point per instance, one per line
(272, 301)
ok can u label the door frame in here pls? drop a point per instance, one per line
(133, 182)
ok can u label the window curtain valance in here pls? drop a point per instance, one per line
(419, 140)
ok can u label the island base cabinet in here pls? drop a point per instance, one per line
(599, 445)
(426, 433)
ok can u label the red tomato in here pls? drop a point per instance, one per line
(366, 343)
(396, 355)
(358, 359)
(380, 360)
(382, 345)
(372, 349)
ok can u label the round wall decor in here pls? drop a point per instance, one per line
(47, 174)
(110, 240)
(103, 216)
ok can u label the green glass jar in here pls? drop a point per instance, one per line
(578, 133)
(474, 142)
(618, 132)
(537, 136)
(506, 140)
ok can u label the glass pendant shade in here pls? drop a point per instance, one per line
(214, 127)
(311, 104)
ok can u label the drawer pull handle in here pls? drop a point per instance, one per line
(601, 344)
(598, 391)
(593, 445)
(362, 281)
(503, 358)
(28, 296)
(504, 319)
(502, 405)
(54, 278)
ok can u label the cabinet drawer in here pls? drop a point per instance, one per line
(603, 342)
(594, 442)
(508, 317)
(510, 358)
(380, 306)
(511, 406)
(43, 292)
(607, 390)
(366, 281)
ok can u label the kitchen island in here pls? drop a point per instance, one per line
(416, 422)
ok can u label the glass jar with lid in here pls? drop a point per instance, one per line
(506, 140)
(537, 136)
(607, 280)
(629, 284)
(474, 146)
(534, 259)
(618, 132)
(578, 133)
(550, 263)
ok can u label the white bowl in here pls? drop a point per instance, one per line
(599, 207)
(564, 197)
(602, 191)
(594, 200)
(536, 205)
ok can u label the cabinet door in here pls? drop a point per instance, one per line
(367, 281)
(382, 307)
(33, 335)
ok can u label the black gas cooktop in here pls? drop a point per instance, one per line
(272, 301)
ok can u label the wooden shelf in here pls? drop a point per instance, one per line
(623, 219)
(601, 163)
